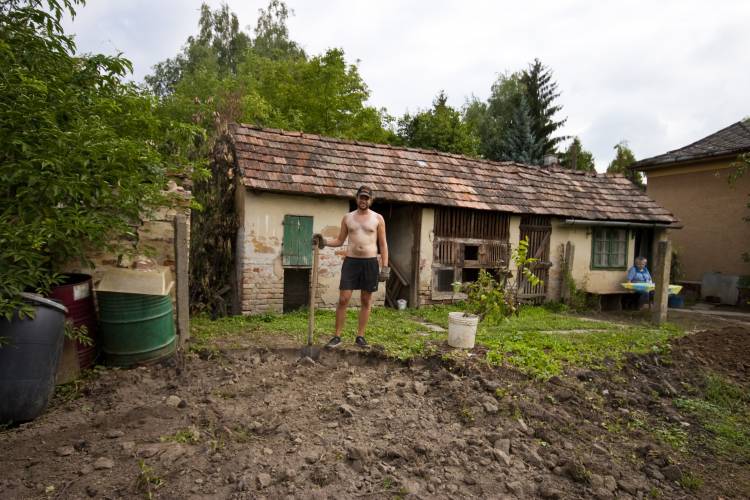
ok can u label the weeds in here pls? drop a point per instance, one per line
(147, 481)
(674, 436)
(690, 481)
(191, 435)
(724, 413)
(466, 415)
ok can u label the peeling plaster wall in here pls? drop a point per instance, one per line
(587, 279)
(262, 271)
(427, 236)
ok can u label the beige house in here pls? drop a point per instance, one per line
(447, 216)
(692, 183)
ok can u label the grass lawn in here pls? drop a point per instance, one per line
(539, 342)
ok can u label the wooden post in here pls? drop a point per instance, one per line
(415, 256)
(661, 278)
(181, 278)
(567, 272)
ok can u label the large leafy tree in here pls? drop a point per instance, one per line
(493, 119)
(577, 158)
(84, 154)
(219, 44)
(266, 80)
(621, 163)
(441, 128)
(541, 94)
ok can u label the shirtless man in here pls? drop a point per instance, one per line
(366, 231)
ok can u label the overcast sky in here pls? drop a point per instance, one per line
(659, 74)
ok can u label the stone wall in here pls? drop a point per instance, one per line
(154, 242)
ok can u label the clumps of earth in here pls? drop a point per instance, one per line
(258, 423)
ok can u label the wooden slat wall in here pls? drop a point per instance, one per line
(467, 223)
(538, 228)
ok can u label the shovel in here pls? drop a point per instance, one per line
(309, 351)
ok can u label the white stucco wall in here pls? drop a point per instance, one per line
(261, 245)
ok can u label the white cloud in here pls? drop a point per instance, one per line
(658, 74)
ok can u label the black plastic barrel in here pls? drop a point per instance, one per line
(29, 356)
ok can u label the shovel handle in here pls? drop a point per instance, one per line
(313, 289)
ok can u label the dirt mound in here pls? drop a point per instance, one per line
(257, 423)
(725, 351)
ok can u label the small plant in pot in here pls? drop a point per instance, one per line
(490, 299)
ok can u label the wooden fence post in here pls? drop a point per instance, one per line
(567, 272)
(661, 278)
(181, 245)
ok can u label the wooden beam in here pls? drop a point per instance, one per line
(181, 245)
(661, 279)
(415, 255)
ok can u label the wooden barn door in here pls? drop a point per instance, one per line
(538, 228)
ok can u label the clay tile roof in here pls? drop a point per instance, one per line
(730, 141)
(293, 162)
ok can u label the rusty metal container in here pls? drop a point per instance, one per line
(76, 293)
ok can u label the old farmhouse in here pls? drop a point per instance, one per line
(447, 217)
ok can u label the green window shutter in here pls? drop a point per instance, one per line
(297, 245)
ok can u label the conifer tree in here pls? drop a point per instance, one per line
(541, 93)
(519, 143)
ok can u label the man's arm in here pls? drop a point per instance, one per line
(341, 238)
(382, 243)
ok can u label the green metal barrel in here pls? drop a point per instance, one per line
(134, 328)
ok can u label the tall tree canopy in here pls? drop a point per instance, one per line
(519, 142)
(441, 128)
(84, 154)
(492, 120)
(541, 93)
(515, 99)
(577, 158)
(623, 160)
(224, 74)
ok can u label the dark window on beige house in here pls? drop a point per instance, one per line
(609, 248)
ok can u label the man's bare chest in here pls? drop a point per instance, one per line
(362, 224)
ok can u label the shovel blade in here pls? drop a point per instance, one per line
(311, 352)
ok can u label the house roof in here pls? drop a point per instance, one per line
(294, 162)
(729, 141)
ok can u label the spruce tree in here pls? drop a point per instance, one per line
(541, 93)
(519, 143)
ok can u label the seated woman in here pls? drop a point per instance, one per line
(639, 274)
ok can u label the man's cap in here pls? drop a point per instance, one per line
(364, 190)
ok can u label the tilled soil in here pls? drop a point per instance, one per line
(255, 423)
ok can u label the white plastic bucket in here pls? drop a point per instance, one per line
(462, 330)
(401, 303)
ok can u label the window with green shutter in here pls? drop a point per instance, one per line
(609, 248)
(297, 245)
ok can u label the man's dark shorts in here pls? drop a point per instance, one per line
(359, 274)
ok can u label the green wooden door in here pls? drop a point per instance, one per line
(297, 245)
